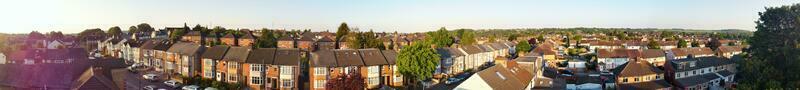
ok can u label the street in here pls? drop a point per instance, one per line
(135, 81)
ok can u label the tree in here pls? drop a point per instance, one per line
(217, 31)
(714, 44)
(133, 29)
(417, 62)
(341, 32)
(440, 38)
(523, 46)
(114, 31)
(348, 81)
(467, 37)
(512, 37)
(695, 44)
(176, 34)
(267, 39)
(144, 27)
(653, 45)
(361, 40)
(682, 43)
(91, 34)
(775, 55)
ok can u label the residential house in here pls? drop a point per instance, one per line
(325, 43)
(305, 42)
(729, 51)
(193, 36)
(608, 59)
(246, 40)
(391, 75)
(230, 67)
(701, 73)
(286, 69)
(210, 58)
(681, 53)
(452, 62)
(185, 58)
(286, 42)
(639, 75)
(498, 78)
(256, 68)
(229, 39)
(655, 56)
(374, 62)
(322, 67)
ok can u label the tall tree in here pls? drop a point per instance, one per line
(714, 44)
(114, 31)
(775, 51)
(267, 39)
(417, 62)
(653, 45)
(440, 38)
(523, 46)
(467, 37)
(217, 31)
(512, 37)
(133, 29)
(341, 32)
(144, 27)
(682, 43)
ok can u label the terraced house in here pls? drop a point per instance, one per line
(285, 70)
(640, 75)
(184, 58)
(256, 68)
(377, 67)
(210, 58)
(230, 67)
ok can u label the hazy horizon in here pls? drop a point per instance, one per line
(402, 16)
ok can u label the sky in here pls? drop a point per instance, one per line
(72, 16)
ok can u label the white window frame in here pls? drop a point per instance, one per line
(319, 83)
(320, 71)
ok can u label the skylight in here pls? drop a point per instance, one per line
(500, 75)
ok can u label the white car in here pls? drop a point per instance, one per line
(191, 87)
(151, 77)
(211, 88)
(173, 83)
(149, 87)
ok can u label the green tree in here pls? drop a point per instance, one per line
(114, 31)
(176, 34)
(682, 43)
(653, 45)
(417, 62)
(467, 37)
(775, 50)
(512, 37)
(144, 27)
(267, 39)
(695, 44)
(341, 32)
(217, 31)
(523, 46)
(440, 38)
(133, 29)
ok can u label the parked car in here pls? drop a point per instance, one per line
(606, 73)
(149, 87)
(211, 88)
(565, 72)
(452, 80)
(191, 87)
(151, 77)
(173, 83)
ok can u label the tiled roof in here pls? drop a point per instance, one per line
(636, 68)
(325, 39)
(697, 79)
(348, 57)
(261, 56)
(500, 78)
(323, 58)
(372, 57)
(692, 51)
(700, 62)
(391, 56)
(185, 48)
(237, 54)
(725, 49)
(193, 33)
(287, 56)
(217, 52)
(472, 49)
(653, 53)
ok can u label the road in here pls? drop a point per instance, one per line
(135, 81)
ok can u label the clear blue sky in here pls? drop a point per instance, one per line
(73, 16)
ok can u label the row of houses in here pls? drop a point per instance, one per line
(694, 73)
(458, 59)
(611, 58)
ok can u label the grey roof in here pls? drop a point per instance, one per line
(391, 56)
(237, 54)
(323, 58)
(217, 52)
(287, 56)
(185, 48)
(472, 49)
(372, 57)
(261, 56)
(150, 44)
(348, 57)
(700, 62)
(697, 79)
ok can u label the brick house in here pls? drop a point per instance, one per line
(193, 36)
(326, 43)
(639, 74)
(230, 67)
(210, 58)
(322, 67)
(229, 39)
(285, 70)
(286, 42)
(374, 61)
(305, 42)
(186, 57)
(256, 66)
(701, 73)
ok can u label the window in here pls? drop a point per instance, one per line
(319, 84)
(233, 65)
(625, 80)
(374, 69)
(287, 83)
(678, 75)
(500, 75)
(373, 81)
(286, 70)
(256, 80)
(397, 78)
(320, 71)
(636, 79)
(257, 67)
(232, 77)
